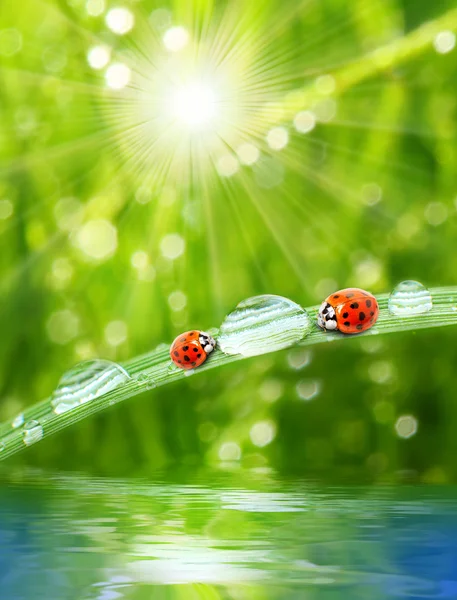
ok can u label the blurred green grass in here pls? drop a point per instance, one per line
(366, 198)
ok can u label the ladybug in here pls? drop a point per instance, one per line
(350, 311)
(191, 349)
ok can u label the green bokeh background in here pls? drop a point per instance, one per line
(367, 198)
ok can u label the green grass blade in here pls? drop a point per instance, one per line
(156, 366)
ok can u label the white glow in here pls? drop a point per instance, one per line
(116, 333)
(194, 104)
(406, 426)
(227, 165)
(172, 246)
(117, 76)
(98, 57)
(139, 259)
(62, 326)
(307, 389)
(248, 154)
(230, 451)
(120, 20)
(444, 42)
(97, 239)
(277, 138)
(304, 121)
(262, 433)
(175, 39)
(95, 8)
(325, 84)
(177, 300)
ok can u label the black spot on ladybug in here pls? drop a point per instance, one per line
(355, 305)
(368, 303)
(185, 348)
(191, 332)
(362, 316)
(186, 358)
(359, 326)
(193, 364)
(336, 296)
(346, 323)
(199, 355)
(195, 349)
(176, 353)
(371, 313)
(345, 315)
(180, 362)
(350, 295)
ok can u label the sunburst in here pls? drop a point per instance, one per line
(195, 96)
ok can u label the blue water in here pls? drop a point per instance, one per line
(229, 534)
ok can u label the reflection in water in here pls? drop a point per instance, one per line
(83, 538)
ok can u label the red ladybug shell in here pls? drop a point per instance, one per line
(356, 310)
(190, 349)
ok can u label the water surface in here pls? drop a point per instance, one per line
(230, 534)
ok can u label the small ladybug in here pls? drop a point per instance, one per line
(350, 311)
(191, 349)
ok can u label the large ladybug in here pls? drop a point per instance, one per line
(191, 349)
(350, 311)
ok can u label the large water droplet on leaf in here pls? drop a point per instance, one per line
(410, 298)
(85, 382)
(263, 324)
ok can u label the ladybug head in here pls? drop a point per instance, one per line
(326, 317)
(207, 342)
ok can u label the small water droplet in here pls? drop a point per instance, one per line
(85, 382)
(172, 368)
(263, 324)
(147, 381)
(18, 421)
(2, 446)
(32, 432)
(410, 298)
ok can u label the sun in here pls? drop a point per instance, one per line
(195, 105)
(187, 102)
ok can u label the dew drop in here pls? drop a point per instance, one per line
(32, 432)
(18, 421)
(410, 298)
(172, 368)
(147, 381)
(263, 324)
(2, 446)
(85, 382)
